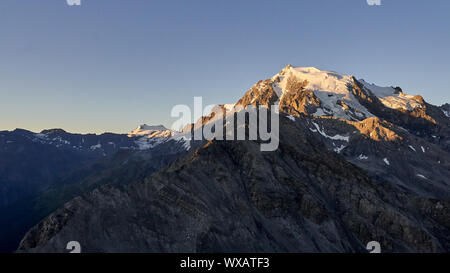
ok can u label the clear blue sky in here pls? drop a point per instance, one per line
(110, 65)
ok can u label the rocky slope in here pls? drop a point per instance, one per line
(228, 196)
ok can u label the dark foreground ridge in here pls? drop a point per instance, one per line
(230, 197)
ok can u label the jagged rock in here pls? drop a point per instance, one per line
(229, 196)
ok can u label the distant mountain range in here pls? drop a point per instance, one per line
(356, 163)
(41, 171)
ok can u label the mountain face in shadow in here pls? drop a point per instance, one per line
(41, 172)
(230, 197)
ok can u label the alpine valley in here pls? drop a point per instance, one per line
(356, 163)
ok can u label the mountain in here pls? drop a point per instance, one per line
(388, 133)
(29, 161)
(356, 163)
(41, 171)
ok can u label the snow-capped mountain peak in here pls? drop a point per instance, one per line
(144, 130)
(148, 137)
(332, 89)
(317, 80)
(312, 91)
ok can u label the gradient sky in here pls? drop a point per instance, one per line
(110, 65)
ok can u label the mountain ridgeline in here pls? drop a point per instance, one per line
(356, 163)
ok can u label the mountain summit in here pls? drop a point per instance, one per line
(146, 130)
(327, 93)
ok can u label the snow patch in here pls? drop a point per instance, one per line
(41, 136)
(421, 176)
(145, 143)
(60, 140)
(339, 149)
(185, 139)
(446, 113)
(363, 157)
(336, 137)
(95, 147)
